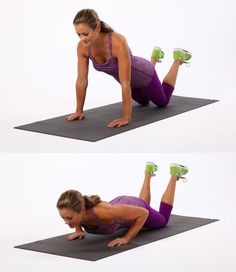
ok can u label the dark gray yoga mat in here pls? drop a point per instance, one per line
(93, 128)
(94, 247)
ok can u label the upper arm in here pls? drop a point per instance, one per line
(83, 64)
(121, 52)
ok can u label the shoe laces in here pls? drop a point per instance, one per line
(187, 64)
(184, 179)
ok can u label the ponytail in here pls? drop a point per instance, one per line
(105, 28)
(91, 201)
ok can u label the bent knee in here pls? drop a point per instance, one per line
(161, 104)
(164, 105)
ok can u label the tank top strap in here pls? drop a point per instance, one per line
(90, 52)
(110, 44)
(94, 216)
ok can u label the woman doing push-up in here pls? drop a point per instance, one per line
(110, 53)
(93, 215)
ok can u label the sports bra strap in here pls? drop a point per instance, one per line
(94, 216)
(110, 43)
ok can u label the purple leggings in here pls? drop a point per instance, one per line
(158, 219)
(157, 93)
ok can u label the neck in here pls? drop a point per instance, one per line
(100, 41)
(86, 217)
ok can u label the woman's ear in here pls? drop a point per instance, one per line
(82, 209)
(98, 27)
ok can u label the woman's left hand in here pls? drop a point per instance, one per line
(118, 242)
(119, 122)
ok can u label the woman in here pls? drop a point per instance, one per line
(99, 217)
(109, 53)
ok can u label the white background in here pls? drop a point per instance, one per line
(33, 183)
(38, 72)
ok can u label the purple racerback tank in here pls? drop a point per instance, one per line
(118, 224)
(141, 69)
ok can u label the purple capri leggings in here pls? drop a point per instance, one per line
(158, 219)
(157, 93)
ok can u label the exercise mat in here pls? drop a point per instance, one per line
(94, 247)
(94, 127)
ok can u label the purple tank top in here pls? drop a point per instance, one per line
(141, 69)
(118, 224)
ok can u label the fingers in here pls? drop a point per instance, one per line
(75, 236)
(81, 236)
(75, 116)
(71, 117)
(117, 242)
(117, 123)
(113, 124)
(114, 243)
(69, 238)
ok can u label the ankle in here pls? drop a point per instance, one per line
(148, 175)
(174, 178)
(178, 61)
(154, 61)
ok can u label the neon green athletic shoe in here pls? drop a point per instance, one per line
(157, 53)
(151, 168)
(178, 170)
(182, 55)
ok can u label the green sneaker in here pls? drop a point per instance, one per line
(151, 168)
(178, 170)
(182, 55)
(157, 53)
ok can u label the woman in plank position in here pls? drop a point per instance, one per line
(109, 53)
(132, 213)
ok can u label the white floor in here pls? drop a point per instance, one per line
(37, 77)
(33, 182)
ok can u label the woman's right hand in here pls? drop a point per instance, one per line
(75, 235)
(75, 116)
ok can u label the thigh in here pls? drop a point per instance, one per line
(155, 219)
(156, 92)
(139, 95)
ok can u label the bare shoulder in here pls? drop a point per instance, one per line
(102, 206)
(118, 41)
(103, 210)
(120, 48)
(82, 50)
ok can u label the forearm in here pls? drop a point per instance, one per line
(136, 227)
(127, 103)
(78, 229)
(80, 96)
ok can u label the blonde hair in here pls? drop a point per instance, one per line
(90, 18)
(74, 200)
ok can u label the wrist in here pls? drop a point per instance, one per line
(127, 239)
(126, 117)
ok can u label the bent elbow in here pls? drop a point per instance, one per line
(81, 83)
(146, 213)
(125, 84)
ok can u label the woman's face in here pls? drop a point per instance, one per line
(71, 218)
(87, 34)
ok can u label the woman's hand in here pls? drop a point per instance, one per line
(118, 242)
(75, 235)
(75, 116)
(119, 122)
